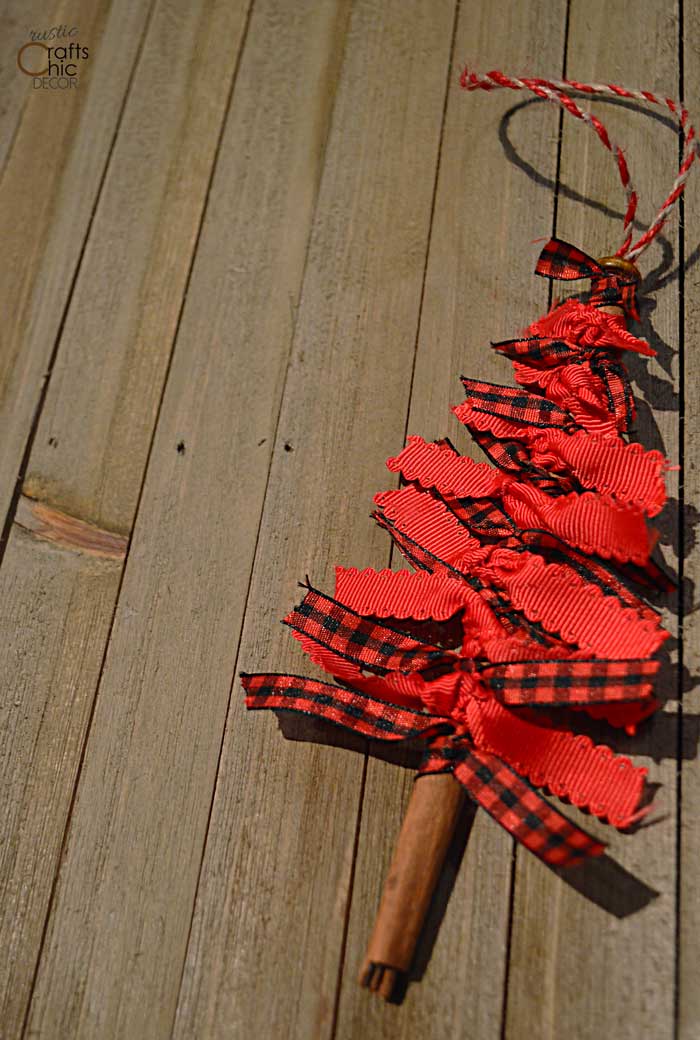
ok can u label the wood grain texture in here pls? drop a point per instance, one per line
(578, 969)
(267, 934)
(118, 932)
(229, 363)
(47, 194)
(16, 18)
(91, 449)
(117, 337)
(689, 902)
(479, 286)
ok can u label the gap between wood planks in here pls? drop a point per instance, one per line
(363, 783)
(681, 540)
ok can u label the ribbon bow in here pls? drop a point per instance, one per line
(474, 725)
(562, 261)
(509, 799)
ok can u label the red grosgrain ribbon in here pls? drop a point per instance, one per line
(476, 694)
(576, 682)
(607, 465)
(507, 797)
(580, 611)
(587, 381)
(515, 607)
(586, 460)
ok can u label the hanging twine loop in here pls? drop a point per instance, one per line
(558, 92)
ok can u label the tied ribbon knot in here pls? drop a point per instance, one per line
(450, 692)
(508, 798)
(501, 789)
(481, 722)
(562, 261)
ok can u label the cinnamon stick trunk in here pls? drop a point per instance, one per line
(426, 833)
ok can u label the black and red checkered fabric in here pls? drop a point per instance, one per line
(525, 632)
(544, 352)
(512, 619)
(513, 456)
(561, 260)
(343, 706)
(513, 803)
(564, 683)
(507, 797)
(364, 641)
(541, 350)
(510, 402)
(510, 456)
(484, 517)
(616, 381)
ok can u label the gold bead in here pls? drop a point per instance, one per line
(618, 265)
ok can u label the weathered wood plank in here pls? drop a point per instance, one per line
(16, 18)
(91, 449)
(576, 968)
(47, 194)
(268, 928)
(689, 904)
(118, 932)
(479, 286)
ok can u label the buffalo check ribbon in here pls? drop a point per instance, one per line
(513, 803)
(513, 610)
(476, 715)
(508, 798)
(618, 389)
(343, 706)
(364, 641)
(566, 682)
(540, 353)
(515, 405)
(562, 261)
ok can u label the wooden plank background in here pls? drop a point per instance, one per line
(242, 260)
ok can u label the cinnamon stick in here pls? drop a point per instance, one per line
(425, 837)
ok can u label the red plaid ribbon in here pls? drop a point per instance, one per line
(513, 803)
(546, 352)
(507, 797)
(360, 640)
(351, 709)
(563, 683)
(509, 402)
(390, 675)
(513, 456)
(506, 614)
(522, 436)
(387, 649)
(561, 260)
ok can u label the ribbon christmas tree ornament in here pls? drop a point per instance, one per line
(519, 609)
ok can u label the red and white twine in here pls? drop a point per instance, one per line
(558, 92)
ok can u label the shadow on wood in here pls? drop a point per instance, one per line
(608, 885)
(603, 881)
